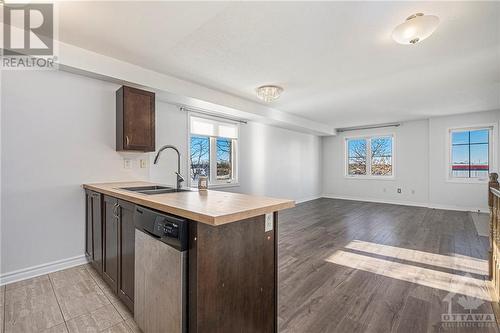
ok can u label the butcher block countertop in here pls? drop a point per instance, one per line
(210, 207)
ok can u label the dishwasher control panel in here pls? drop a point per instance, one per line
(164, 228)
(169, 229)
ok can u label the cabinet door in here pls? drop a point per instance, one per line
(110, 249)
(126, 271)
(136, 111)
(88, 226)
(96, 231)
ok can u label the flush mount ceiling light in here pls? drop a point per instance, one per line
(416, 28)
(269, 93)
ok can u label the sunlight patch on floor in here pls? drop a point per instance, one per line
(460, 263)
(465, 285)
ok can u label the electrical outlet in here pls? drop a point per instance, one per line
(399, 190)
(143, 164)
(269, 222)
(127, 163)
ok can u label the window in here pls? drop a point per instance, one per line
(381, 151)
(357, 156)
(213, 150)
(224, 158)
(200, 157)
(369, 156)
(470, 152)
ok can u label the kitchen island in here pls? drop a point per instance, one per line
(232, 255)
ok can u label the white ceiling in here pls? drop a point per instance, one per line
(336, 60)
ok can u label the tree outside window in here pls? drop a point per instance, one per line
(200, 157)
(370, 156)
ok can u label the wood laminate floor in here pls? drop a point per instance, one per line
(349, 266)
(344, 266)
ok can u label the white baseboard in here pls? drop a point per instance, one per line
(34, 271)
(408, 203)
(393, 202)
(461, 208)
(308, 199)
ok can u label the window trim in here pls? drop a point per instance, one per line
(491, 152)
(368, 175)
(213, 153)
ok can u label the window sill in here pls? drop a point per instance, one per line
(467, 181)
(371, 178)
(222, 185)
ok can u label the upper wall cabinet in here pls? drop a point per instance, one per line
(135, 120)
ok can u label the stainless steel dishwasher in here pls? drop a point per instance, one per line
(161, 243)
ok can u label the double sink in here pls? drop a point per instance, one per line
(154, 189)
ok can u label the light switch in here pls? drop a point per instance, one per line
(269, 222)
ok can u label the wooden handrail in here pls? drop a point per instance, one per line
(495, 192)
(493, 187)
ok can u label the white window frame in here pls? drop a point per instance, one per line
(213, 182)
(368, 138)
(491, 152)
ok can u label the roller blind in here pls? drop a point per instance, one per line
(210, 127)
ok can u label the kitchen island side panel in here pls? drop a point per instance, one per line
(232, 277)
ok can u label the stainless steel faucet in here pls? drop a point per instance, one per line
(180, 179)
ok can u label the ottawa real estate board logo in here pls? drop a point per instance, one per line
(28, 36)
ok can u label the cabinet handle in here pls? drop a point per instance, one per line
(127, 141)
(117, 212)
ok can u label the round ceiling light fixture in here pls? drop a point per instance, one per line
(416, 28)
(269, 93)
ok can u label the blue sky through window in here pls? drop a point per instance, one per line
(372, 155)
(470, 146)
(357, 148)
(200, 156)
(224, 151)
(470, 153)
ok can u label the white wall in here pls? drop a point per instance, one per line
(171, 128)
(420, 166)
(411, 166)
(452, 194)
(58, 131)
(279, 162)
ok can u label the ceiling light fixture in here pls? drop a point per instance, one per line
(416, 28)
(269, 93)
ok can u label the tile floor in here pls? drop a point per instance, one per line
(74, 300)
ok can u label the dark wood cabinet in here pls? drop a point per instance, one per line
(126, 266)
(110, 248)
(233, 268)
(93, 229)
(232, 278)
(135, 119)
(110, 224)
(89, 252)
